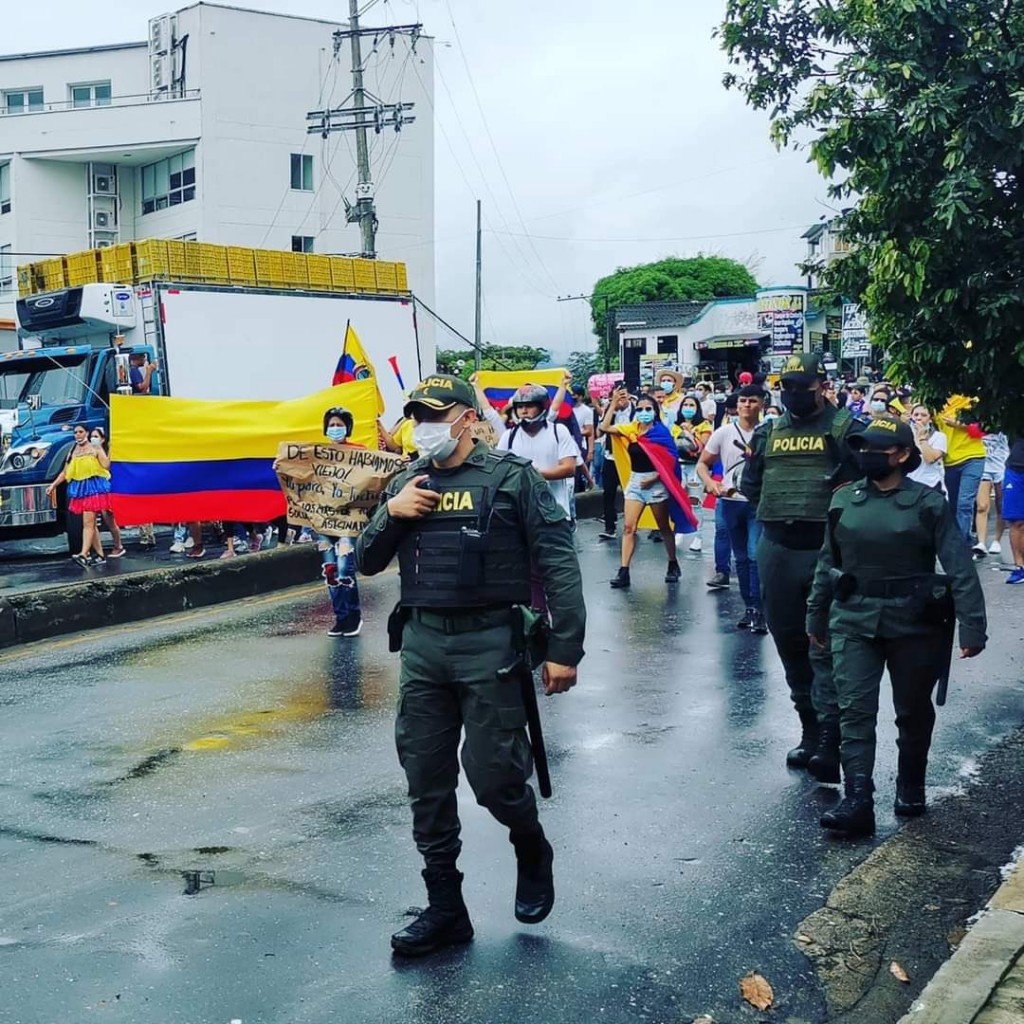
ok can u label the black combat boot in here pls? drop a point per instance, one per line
(621, 580)
(855, 815)
(673, 573)
(910, 798)
(824, 762)
(800, 755)
(535, 883)
(445, 922)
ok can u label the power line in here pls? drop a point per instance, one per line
(497, 155)
(672, 238)
(458, 334)
(523, 255)
(469, 186)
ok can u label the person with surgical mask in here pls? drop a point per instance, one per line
(878, 603)
(669, 392)
(644, 489)
(796, 463)
(338, 553)
(467, 523)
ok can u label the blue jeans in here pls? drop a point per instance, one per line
(722, 541)
(744, 533)
(344, 596)
(962, 483)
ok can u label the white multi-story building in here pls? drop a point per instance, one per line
(200, 132)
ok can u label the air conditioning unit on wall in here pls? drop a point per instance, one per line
(103, 220)
(104, 185)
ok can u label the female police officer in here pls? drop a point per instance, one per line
(878, 596)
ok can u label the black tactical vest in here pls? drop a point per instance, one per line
(800, 457)
(471, 551)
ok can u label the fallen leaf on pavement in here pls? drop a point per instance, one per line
(705, 1019)
(804, 940)
(756, 990)
(898, 973)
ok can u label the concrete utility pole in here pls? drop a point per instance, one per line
(479, 282)
(365, 211)
(607, 323)
(366, 111)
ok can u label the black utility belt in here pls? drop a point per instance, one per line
(461, 620)
(801, 535)
(906, 587)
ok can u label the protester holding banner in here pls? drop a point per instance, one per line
(647, 487)
(338, 553)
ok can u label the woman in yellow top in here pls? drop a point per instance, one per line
(87, 473)
(965, 459)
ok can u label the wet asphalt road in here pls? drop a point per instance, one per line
(243, 757)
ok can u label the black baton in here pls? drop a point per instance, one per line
(534, 731)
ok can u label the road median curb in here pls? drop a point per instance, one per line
(961, 989)
(132, 597)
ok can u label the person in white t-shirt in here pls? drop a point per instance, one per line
(730, 445)
(549, 446)
(552, 450)
(933, 445)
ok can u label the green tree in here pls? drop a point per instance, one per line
(673, 279)
(581, 365)
(493, 357)
(914, 110)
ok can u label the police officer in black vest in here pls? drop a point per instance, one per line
(796, 463)
(466, 523)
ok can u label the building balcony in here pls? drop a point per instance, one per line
(63, 131)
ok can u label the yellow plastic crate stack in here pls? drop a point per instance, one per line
(82, 267)
(157, 259)
(117, 264)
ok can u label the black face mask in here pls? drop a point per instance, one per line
(874, 465)
(800, 403)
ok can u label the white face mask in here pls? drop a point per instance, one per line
(434, 441)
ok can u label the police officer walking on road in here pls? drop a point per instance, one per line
(796, 462)
(466, 523)
(879, 604)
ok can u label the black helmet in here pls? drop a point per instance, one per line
(343, 414)
(532, 394)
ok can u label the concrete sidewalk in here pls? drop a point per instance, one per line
(983, 982)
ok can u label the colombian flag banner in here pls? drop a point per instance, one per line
(500, 385)
(181, 460)
(660, 448)
(355, 364)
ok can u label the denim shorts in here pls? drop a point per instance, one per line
(653, 495)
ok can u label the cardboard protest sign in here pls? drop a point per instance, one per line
(483, 431)
(333, 488)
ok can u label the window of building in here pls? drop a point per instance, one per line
(18, 101)
(94, 94)
(302, 243)
(6, 269)
(668, 345)
(5, 188)
(302, 172)
(169, 182)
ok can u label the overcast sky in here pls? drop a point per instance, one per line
(609, 122)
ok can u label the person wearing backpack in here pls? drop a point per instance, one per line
(550, 446)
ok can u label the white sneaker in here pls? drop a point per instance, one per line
(189, 543)
(177, 548)
(995, 548)
(696, 544)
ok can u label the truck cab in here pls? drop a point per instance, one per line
(70, 358)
